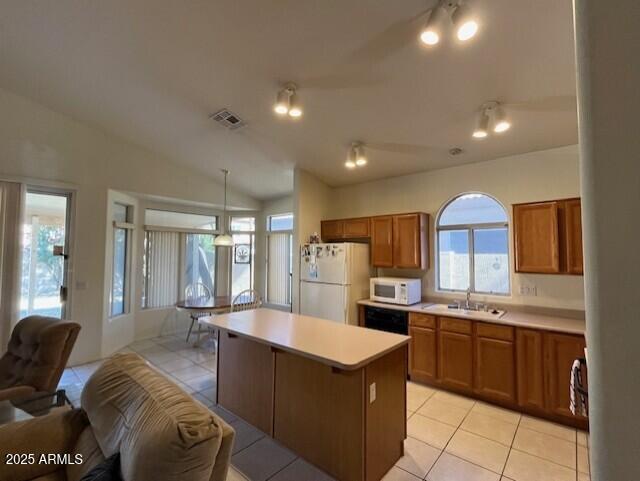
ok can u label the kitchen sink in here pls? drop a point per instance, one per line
(474, 311)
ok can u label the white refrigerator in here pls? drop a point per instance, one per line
(333, 277)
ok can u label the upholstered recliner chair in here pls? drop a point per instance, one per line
(37, 354)
(161, 432)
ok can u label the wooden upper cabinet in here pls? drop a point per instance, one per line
(410, 241)
(530, 368)
(548, 237)
(339, 229)
(560, 350)
(356, 228)
(382, 241)
(331, 229)
(573, 235)
(399, 240)
(536, 237)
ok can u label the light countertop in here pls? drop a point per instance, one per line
(335, 344)
(512, 318)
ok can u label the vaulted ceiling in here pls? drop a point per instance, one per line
(152, 71)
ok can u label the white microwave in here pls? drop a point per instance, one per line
(396, 290)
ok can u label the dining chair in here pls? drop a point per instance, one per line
(246, 300)
(197, 292)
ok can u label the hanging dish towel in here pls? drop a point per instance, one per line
(578, 399)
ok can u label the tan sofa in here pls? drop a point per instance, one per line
(161, 432)
(36, 356)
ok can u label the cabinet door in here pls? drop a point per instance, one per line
(331, 229)
(536, 237)
(530, 367)
(407, 245)
(356, 228)
(495, 375)
(560, 352)
(422, 354)
(382, 241)
(573, 236)
(455, 360)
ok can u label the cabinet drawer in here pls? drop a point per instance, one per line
(422, 320)
(494, 331)
(455, 325)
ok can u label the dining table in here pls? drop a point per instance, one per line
(216, 304)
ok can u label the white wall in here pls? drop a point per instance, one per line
(311, 204)
(48, 148)
(536, 176)
(607, 34)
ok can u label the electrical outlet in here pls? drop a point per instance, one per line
(372, 392)
(528, 291)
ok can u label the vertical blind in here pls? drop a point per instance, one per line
(278, 278)
(163, 259)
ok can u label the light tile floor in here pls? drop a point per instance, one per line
(450, 437)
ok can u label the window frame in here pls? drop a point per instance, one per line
(270, 218)
(252, 247)
(471, 228)
(128, 227)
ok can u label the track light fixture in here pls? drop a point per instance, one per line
(491, 113)
(442, 15)
(287, 101)
(356, 157)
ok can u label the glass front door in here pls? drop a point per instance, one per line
(44, 254)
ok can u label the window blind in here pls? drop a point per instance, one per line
(163, 260)
(278, 278)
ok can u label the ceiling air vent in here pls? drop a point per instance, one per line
(228, 119)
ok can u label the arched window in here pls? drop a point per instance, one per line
(473, 245)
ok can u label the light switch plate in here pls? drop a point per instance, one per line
(372, 392)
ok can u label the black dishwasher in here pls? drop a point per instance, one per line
(390, 320)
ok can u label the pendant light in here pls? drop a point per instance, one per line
(224, 240)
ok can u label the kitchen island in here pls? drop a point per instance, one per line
(335, 394)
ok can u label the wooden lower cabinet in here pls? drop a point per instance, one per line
(455, 360)
(422, 354)
(530, 368)
(495, 374)
(560, 350)
(518, 368)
